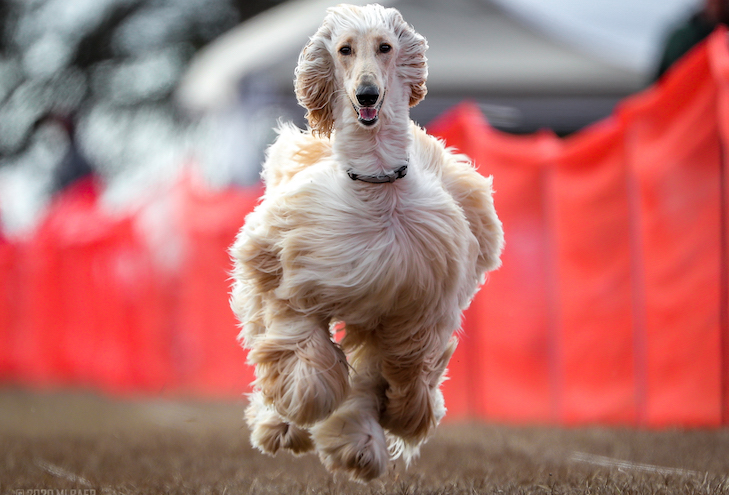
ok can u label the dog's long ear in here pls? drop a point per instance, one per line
(314, 82)
(412, 63)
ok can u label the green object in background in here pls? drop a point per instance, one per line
(683, 38)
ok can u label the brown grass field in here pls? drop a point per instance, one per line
(82, 444)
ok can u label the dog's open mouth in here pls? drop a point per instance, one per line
(368, 115)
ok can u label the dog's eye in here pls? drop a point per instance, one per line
(384, 48)
(345, 50)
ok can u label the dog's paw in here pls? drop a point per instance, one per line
(353, 443)
(269, 438)
(411, 413)
(305, 384)
(270, 432)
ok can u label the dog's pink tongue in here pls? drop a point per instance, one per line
(367, 113)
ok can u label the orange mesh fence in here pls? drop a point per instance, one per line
(611, 305)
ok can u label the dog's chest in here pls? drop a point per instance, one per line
(345, 249)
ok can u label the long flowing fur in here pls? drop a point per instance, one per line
(394, 263)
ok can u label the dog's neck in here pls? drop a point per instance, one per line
(381, 150)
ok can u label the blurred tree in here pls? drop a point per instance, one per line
(113, 64)
(54, 52)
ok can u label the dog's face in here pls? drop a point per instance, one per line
(362, 63)
(360, 58)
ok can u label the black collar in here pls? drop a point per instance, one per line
(380, 178)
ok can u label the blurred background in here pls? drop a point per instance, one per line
(131, 137)
(135, 88)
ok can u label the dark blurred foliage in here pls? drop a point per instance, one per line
(60, 57)
(88, 85)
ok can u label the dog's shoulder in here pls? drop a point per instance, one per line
(293, 151)
(434, 156)
(471, 190)
(455, 170)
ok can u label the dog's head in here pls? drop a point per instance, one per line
(359, 57)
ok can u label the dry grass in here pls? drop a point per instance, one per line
(82, 442)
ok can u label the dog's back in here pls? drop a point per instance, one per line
(293, 151)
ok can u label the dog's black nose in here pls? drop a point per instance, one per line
(367, 95)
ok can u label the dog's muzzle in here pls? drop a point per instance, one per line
(367, 107)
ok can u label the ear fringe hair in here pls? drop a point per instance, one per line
(412, 63)
(314, 82)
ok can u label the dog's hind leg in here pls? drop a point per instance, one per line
(351, 440)
(270, 432)
(300, 371)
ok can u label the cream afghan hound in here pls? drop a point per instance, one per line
(370, 225)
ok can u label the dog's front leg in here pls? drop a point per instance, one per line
(300, 371)
(351, 440)
(414, 404)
